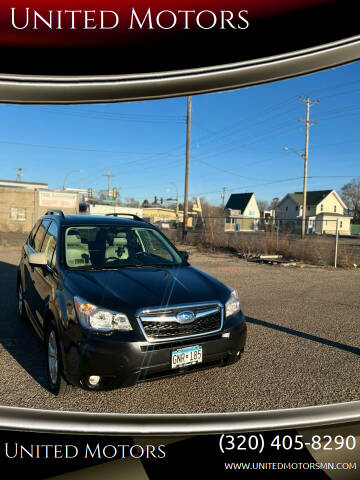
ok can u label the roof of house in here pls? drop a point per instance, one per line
(312, 198)
(238, 201)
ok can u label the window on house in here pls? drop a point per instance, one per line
(17, 213)
(286, 208)
(297, 208)
(340, 224)
(335, 208)
(322, 207)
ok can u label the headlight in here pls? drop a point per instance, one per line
(99, 318)
(232, 306)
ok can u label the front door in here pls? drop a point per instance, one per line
(45, 278)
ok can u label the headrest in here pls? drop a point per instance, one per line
(73, 240)
(119, 241)
(74, 232)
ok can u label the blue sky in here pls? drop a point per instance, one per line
(237, 140)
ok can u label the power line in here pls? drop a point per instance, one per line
(234, 127)
(272, 182)
(276, 128)
(60, 147)
(96, 115)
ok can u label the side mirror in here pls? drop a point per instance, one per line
(37, 259)
(184, 255)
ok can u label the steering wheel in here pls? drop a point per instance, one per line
(111, 258)
(138, 254)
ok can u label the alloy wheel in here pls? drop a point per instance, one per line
(20, 299)
(53, 360)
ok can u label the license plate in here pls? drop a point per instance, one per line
(186, 356)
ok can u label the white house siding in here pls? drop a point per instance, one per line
(252, 209)
(327, 224)
(287, 209)
(329, 204)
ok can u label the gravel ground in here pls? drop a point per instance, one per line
(303, 347)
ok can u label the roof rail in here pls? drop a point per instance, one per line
(135, 217)
(55, 212)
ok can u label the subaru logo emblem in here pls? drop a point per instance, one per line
(185, 317)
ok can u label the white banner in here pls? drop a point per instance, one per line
(57, 199)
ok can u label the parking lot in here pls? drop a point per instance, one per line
(303, 347)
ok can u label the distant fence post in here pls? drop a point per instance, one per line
(277, 234)
(336, 242)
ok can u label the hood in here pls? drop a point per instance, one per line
(129, 289)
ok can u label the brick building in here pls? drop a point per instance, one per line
(22, 203)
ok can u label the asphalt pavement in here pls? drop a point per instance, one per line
(303, 347)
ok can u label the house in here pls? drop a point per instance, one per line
(155, 214)
(104, 209)
(242, 212)
(325, 210)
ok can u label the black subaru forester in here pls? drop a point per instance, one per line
(116, 303)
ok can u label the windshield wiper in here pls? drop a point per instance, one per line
(150, 265)
(130, 265)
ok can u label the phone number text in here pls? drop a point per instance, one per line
(286, 442)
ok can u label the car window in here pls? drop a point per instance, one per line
(115, 246)
(40, 234)
(153, 245)
(49, 244)
(33, 233)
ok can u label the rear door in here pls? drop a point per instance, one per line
(24, 263)
(32, 273)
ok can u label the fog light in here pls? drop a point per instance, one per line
(94, 380)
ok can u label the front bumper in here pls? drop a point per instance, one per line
(122, 363)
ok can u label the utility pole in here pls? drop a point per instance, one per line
(223, 193)
(187, 167)
(108, 175)
(308, 103)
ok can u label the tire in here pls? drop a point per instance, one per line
(57, 383)
(20, 298)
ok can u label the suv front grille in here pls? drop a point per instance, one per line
(162, 323)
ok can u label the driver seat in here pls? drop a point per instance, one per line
(118, 249)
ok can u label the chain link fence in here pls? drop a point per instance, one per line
(327, 241)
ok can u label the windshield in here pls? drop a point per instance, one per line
(112, 246)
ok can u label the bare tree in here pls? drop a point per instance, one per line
(274, 203)
(263, 205)
(351, 195)
(209, 210)
(132, 202)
